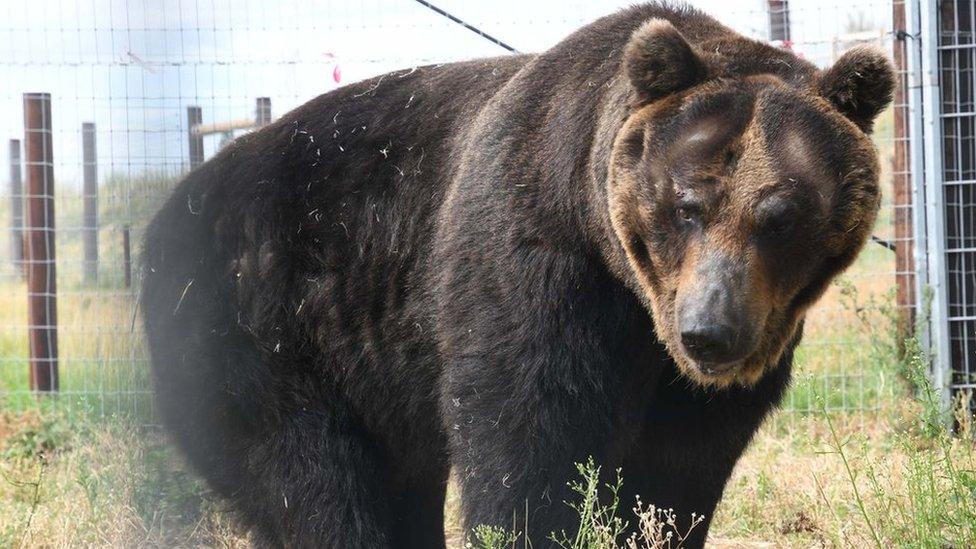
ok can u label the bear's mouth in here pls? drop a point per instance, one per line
(717, 368)
(720, 372)
(744, 372)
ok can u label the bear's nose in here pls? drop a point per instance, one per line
(709, 343)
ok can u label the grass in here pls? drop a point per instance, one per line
(102, 365)
(67, 483)
(837, 480)
(901, 479)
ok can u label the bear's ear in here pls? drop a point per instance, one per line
(860, 85)
(659, 61)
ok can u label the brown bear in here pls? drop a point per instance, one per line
(503, 267)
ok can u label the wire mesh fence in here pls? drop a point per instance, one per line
(957, 68)
(141, 91)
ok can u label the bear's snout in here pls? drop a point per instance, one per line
(716, 324)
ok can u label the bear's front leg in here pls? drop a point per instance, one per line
(542, 371)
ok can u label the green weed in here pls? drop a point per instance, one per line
(600, 523)
(927, 498)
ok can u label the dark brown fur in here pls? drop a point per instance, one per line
(464, 267)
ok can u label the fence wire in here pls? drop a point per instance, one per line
(957, 70)
(142, 90)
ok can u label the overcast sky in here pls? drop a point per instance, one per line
(133, 66)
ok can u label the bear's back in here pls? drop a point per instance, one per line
(308, 239)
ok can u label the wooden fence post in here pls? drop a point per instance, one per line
(127, 256)
(902, 183)
(194, 116)
(90, 191)
(39, 250)
(16, 208)
(262, 111)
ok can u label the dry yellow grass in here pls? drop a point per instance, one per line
(794, 489)
(65, 485)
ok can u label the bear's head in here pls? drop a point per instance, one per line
(737, 196)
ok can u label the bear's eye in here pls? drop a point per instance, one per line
(777, 217)
(779, 224)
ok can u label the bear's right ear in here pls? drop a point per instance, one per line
(860, 84)
(659, 61)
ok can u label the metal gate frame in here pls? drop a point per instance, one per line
(927, 157)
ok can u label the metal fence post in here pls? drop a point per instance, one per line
(916, 168)
(39, 250)
(16, 207)
(90, 192)
(194, 116)
(935, 199)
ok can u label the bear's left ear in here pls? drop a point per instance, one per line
(860, 85)
(658, 60)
